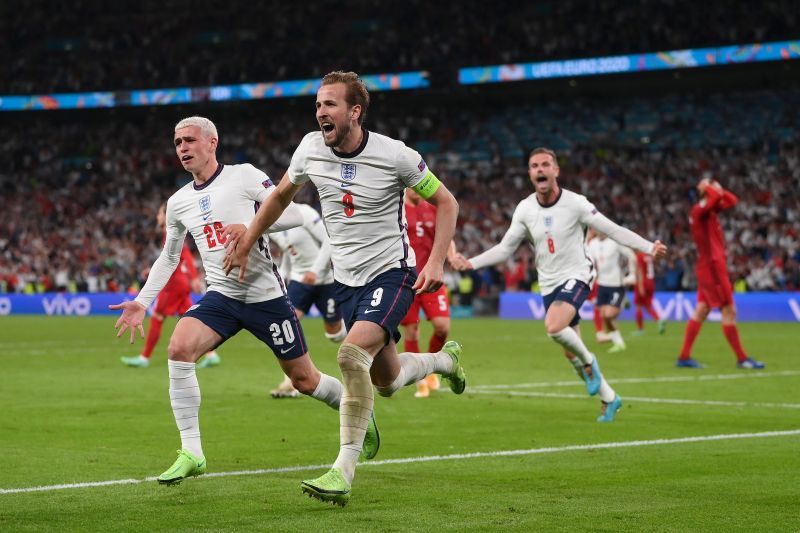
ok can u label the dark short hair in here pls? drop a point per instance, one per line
(542, 150)
(357, 93)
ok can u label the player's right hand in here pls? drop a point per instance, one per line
(235, 257)
(460, 263)
(132, 317)
(659, 250)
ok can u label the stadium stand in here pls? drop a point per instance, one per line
(157, 43)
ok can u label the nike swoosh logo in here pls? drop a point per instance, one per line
(206, 217)
(368, 311)
(285, 350)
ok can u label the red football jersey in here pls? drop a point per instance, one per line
(179, 283)
(421, 219)
(706, 229)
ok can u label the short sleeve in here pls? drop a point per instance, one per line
(297, 167)
(411, 168)
(256, 183)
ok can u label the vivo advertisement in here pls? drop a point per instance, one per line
(80, 304)
(750, 307)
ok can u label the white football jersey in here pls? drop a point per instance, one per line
(307, 247)
(231, 196)
(612, 261)
(557, 232)
(362, 202)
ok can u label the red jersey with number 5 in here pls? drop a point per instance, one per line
(421, 220)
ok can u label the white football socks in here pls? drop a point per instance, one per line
(569, 339)
(184, 396)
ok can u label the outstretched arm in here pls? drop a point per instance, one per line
(500, 252)
(133, 311)
(267, 214)
(624, 236)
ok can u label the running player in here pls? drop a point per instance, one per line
(360, 177)
(173, 300)
(421, 224)
(713, 285)
(306, 262)
(554, 221)
(610, 259)
(222, 195)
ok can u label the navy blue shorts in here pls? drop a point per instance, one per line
(610, 296)
(573, 292)
(302, 296)
(273, 322)
(384, 300)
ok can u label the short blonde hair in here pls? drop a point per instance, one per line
(206, 126)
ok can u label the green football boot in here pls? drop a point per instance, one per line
(662, 326)
(186, 465)
(329, 487)
(372, 440)
(617, 348)
(457, 378)
(137, 361)
(209, 360)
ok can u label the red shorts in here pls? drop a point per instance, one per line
(714, 288)
(433, 303)
(169, 304)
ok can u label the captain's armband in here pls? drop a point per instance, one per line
(428, 186)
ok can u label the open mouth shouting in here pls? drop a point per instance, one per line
(186, 158)
(328, 130)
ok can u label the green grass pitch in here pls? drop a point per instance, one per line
(72, 414)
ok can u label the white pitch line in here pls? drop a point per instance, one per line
(722, 403)
(431, 458)
(661, 379)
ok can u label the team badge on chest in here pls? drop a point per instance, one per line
(205, 204)
(348, 171)
(548, 222)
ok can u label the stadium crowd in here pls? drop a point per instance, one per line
(79, 196)
(92, 45)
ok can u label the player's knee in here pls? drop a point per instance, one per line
(353, 358)
(180, 349)
(441, 330)
(553, 327)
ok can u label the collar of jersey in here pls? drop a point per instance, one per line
(357, 151)
(209, 180)
(554, 202)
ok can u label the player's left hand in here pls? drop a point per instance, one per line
(659, 250)
(430, 279)
(309, 278)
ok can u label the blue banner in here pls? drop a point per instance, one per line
(594, 66)
(80, 304)
(750, 306)
(216, 93)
